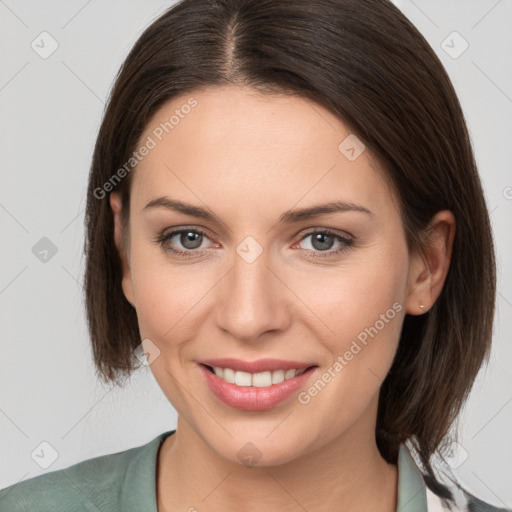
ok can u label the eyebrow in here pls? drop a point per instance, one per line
(288, 217)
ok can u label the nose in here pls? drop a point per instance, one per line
(253, 299)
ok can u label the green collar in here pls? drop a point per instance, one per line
(412, 495)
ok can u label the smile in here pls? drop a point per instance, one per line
(257, 385)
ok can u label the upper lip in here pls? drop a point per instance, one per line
(258, 366)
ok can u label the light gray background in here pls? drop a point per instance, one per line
(50, 113)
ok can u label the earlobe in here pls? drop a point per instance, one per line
(119, 237)
(428, 271)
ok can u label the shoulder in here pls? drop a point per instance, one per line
(81, 487)
(94, 485)
(442, 497)
(444, 493)
(436, 490)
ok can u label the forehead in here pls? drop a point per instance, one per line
(258, 149)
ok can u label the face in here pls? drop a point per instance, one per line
(257, 289)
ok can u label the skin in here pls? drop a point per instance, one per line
(249, 158)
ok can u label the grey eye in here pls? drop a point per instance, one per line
(322, 241)
(189, 239)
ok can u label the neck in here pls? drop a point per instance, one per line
(347, 473)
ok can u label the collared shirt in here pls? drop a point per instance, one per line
(126, 481)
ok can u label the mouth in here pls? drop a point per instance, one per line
(269, 383)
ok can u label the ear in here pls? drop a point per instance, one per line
(124, 251)
(427, 272)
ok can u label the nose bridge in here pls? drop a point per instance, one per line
(250, 302)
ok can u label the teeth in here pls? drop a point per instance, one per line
(229, 375)
(288, 374)
(243, 379)
(261, 380)
(258, 380)
(278, 376)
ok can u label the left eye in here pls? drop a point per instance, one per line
(323, 241)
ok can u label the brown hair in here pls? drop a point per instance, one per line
(365, 62)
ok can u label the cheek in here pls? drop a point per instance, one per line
(170, 296)
(366, 325)
(363, 307)
(167, 301)
(356, 296)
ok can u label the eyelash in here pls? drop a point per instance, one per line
(164, 238)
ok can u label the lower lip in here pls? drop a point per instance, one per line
(250, 398)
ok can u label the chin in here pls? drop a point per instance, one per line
(252, 446)
(260, 452)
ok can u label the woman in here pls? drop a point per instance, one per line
(285, 221)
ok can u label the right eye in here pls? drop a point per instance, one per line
(190, 239)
